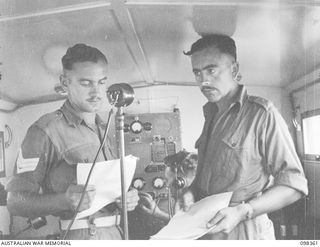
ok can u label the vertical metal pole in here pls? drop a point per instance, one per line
(120, 120)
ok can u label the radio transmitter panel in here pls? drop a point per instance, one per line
(151, 137)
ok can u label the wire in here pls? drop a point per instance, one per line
(89, 175)
(169, 203)
(155, 206)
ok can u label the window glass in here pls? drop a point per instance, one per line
(311, 135)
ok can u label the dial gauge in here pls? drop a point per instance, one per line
(138, 183)
(136, 127)
(158, 183)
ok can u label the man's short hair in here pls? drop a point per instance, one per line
(224, 43)
(82, 53)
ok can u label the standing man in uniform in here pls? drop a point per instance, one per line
(58, 141)
(244, 143)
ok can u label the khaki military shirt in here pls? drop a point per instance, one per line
(60, 140)
(244, 148)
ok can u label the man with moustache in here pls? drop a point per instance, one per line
(244, 147)
(58, 141)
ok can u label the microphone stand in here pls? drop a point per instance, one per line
(120, 127)
(121, 95)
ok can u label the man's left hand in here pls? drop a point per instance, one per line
(132, 200)
(227, 219)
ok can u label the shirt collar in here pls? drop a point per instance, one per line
(74, 118)
(237, 102)
(239, 98)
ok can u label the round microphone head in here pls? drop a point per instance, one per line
(120, 94)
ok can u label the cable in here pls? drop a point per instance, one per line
(89, 175)
(155, 206)
(169, 203)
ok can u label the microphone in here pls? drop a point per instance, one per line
(120, 94)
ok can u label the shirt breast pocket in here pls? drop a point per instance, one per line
(242, 156)
(236, 152)
(64, 174)
(80, 154)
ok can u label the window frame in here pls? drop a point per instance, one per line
(304, 115)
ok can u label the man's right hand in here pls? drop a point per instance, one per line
(148, 205)
(73, 194)
(185, 201)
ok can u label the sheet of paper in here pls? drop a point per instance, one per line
(107, 180)
(192, 224)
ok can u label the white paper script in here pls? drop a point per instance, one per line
(192, 223)
(107, 181)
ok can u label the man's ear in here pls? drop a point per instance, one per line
(63, 81)
(235, 70)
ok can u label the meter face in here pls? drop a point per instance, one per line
(138, 183)
(158, 183)
(136, 127)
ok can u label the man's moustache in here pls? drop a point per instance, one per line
(94, 99)
(207, 88)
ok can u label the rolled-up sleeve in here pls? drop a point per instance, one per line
(281, 157)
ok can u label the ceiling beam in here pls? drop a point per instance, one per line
(98, 4)
(305, 81)
(131, 38)
(58, 10)
(225, 2)
(44, 99)
(35, 101)
(7, 98)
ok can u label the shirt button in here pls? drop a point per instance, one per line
(233, 144)
(86, 160)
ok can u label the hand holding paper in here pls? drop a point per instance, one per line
(132, 200)
(193, 223)
(107, 181)
(74, 193)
